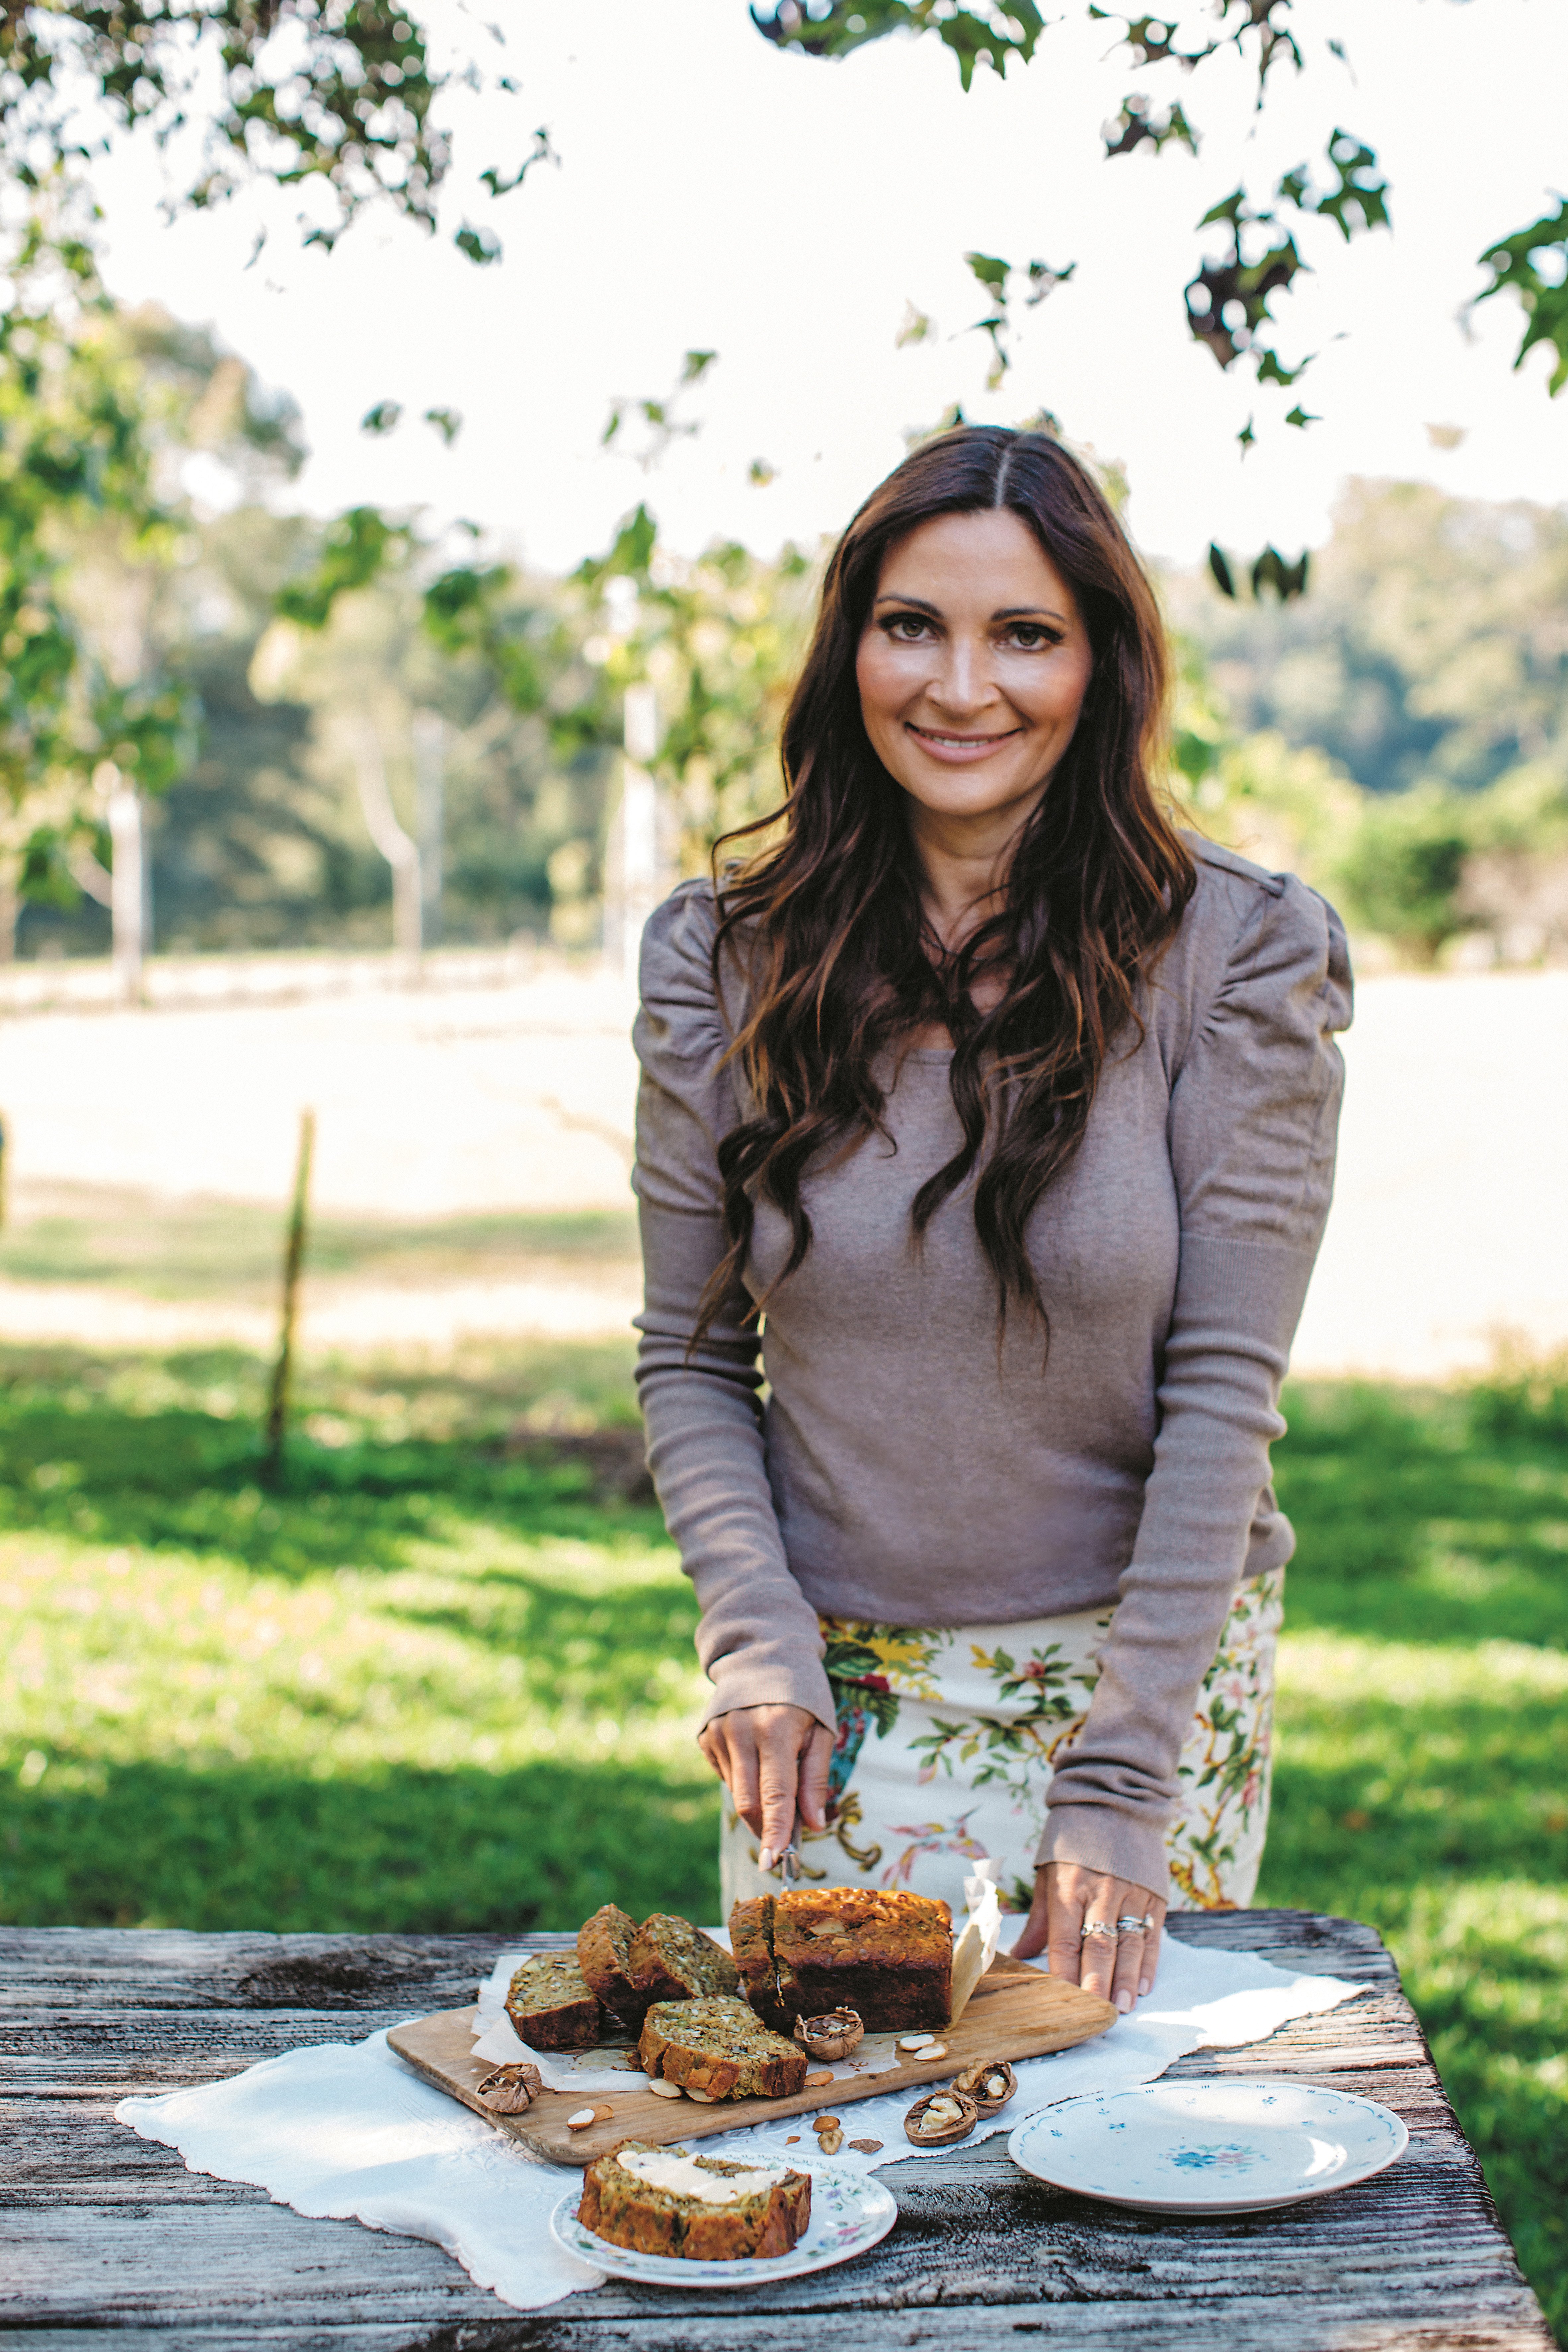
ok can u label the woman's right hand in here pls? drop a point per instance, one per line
(774, 1760)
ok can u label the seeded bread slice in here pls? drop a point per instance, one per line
(670, 1960)
(626, 2211)
(718, 2046)
(551, 2005)
(883, 1953)
(603, 1955)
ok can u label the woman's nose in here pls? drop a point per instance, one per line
(960, 682)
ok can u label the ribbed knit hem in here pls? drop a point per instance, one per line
(772, 1685)
(1101, 1837)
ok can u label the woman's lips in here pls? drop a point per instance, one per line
(960, 750)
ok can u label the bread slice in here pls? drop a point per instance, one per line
(603, 1955)
(765, 2220)
(718, 2047)
(886, 1954)
(670, 1960)
(551, 2005)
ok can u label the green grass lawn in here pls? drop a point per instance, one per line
(444, 1679)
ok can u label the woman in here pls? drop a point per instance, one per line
(997, 1118)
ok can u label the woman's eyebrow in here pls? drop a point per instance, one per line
(918, 603)
(1029, 612)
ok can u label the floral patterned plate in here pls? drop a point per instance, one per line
(1230, 2145)
(849, 2212)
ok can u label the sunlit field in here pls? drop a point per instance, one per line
(442, 1678)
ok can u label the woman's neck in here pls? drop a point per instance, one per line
(963, 873)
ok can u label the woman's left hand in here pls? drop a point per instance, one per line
(1119, 1967)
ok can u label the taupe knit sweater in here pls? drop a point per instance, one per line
(899, 1471)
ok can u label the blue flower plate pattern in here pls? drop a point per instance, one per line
(1231, 2145)
(850, 2212)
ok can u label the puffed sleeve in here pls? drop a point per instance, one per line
(1253, 1120)
(758, 1639)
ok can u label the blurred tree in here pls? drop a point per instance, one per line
(100, 410)
(337, 99)
(1434, 646)
(719, 639)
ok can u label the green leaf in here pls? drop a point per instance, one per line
(1298, 417)
(359, 544)
(479, 243)
(497, 183)
(382, 418)
(991, 272)
(1516, 265)
(447, 423)
(1356, 192)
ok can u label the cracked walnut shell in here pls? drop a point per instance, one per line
(832, 2036)
(990, 2085)
(509, 2090)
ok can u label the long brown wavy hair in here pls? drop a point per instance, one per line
(826, 922)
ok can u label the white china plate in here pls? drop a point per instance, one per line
(1235, 2145)
(850, 2212)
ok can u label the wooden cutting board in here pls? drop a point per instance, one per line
(1017, 2011)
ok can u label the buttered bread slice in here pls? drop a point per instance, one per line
(718, 2048)
(703, 2208)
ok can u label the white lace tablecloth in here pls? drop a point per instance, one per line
(347, 2131)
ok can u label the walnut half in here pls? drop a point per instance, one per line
(990, 2085)
(940, 2120)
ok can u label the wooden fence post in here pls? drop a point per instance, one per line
(293, 1258)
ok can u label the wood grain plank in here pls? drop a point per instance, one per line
(101, 2233)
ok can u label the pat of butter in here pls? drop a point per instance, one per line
(682, 2176)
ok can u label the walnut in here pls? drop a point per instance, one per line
(832, 2036)
(509, 2090)
(990, 2085)
(940, 2120)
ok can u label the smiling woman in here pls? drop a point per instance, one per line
(997, 1118)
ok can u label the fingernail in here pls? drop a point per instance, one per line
(1147, 1988)
(765, 1858)
(1124, 2000)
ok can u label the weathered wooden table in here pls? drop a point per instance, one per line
(106, 2235)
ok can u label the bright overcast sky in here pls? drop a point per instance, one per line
(713, 193)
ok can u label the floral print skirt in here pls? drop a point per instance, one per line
(946, 1743)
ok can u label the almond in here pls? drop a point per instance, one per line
(867, 2146)
(582, 2119)
(663, 2090)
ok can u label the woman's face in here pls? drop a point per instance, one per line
(973, 668)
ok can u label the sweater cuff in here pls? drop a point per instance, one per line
(773, 1683)
(1101, 1837)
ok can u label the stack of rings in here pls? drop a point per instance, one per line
(1126, 1926)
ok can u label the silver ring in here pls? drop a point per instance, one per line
(1135, 1927)
(1095, 1927)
